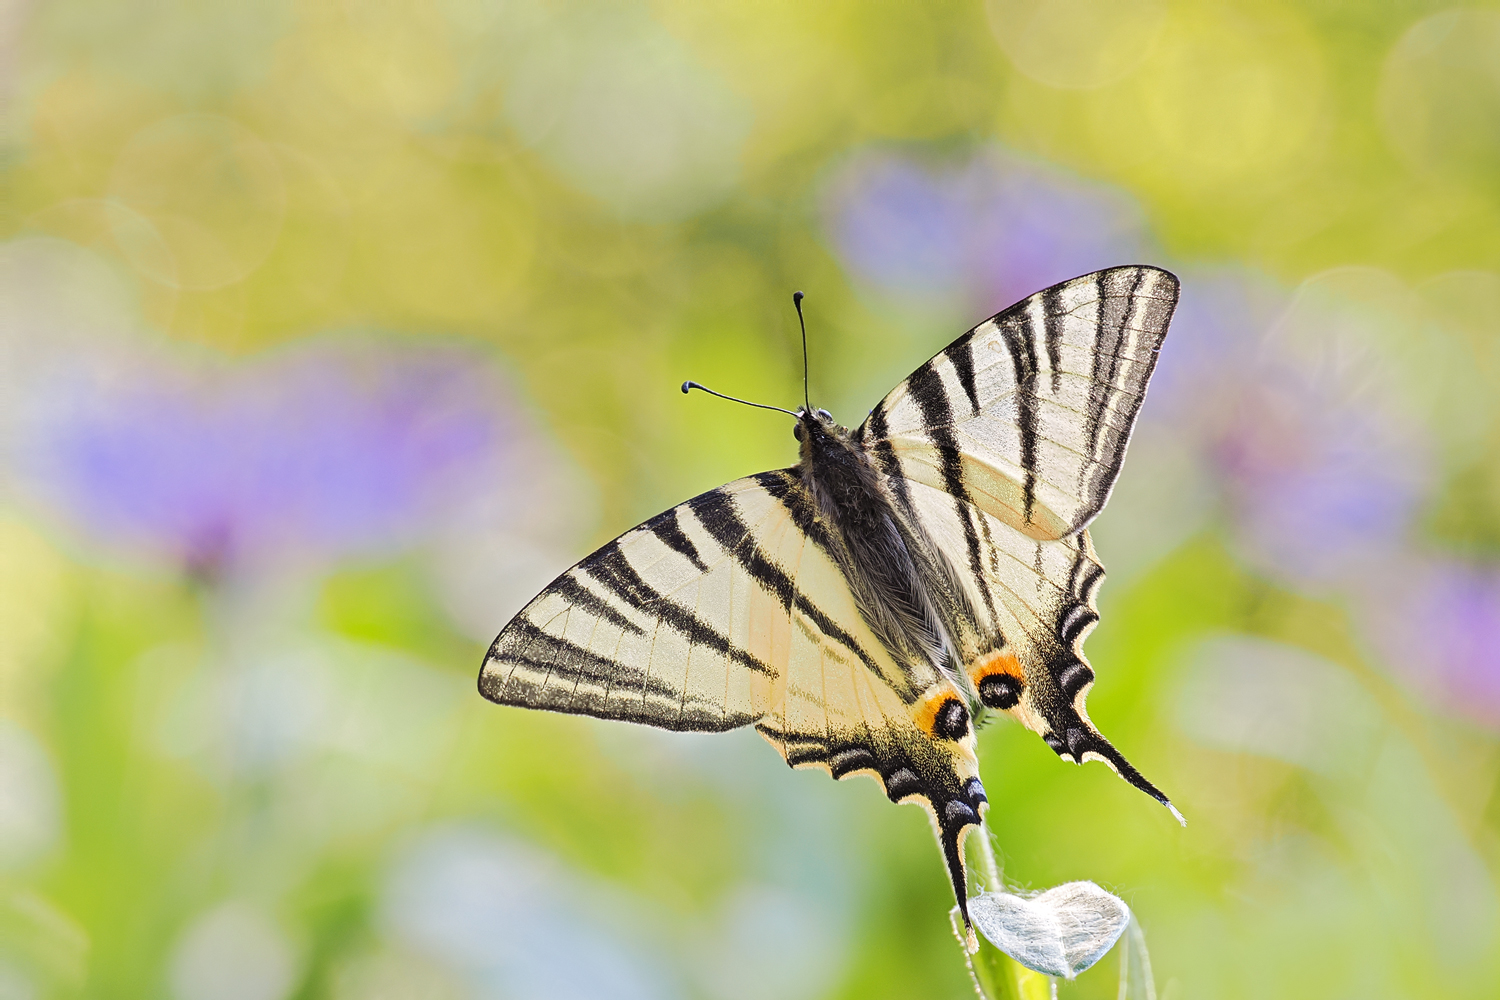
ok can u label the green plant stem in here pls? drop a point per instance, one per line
(997, 976)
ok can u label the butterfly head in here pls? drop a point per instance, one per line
(825, 443)
(806, 418)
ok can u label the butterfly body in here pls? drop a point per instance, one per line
(902, 583)
(864, 607)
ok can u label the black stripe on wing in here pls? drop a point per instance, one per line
(717, 513)
(1118, 316)
(668, 528)
(926, 387)
(1052, 313)
(961, 355)
(1020, 341)
(1115, 324)
(877, 439)
(1114, 313)
(1075, 616)
(530, 651)
(611, 569)
(538, 661)
(569, 589)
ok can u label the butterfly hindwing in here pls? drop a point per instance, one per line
(730, 610)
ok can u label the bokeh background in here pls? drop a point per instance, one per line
(329, 331)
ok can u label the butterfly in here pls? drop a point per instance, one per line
(865, 608)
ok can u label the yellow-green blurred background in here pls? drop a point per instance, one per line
(330, 331)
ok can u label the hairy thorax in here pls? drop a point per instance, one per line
(885, 566)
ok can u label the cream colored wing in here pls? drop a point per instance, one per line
(728, 610)
(1027, 415)
(998, 452)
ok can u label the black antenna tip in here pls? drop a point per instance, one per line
(797, 298)
(763, 406)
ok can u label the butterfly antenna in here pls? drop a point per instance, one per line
(686, 386)
(797, 301)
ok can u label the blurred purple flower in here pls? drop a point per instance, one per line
(327, 449)
(991, 230)
(1317, 491)
(1435, 624)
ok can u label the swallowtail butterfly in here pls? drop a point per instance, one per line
(864, 608)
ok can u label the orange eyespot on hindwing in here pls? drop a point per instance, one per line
(944, 716)
(1000, 691)
(952, 721)
(999, 679)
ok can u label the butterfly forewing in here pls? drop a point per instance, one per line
(663, 625)
(1028, 414)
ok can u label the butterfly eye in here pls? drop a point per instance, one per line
(797, 430)
(825, 415)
